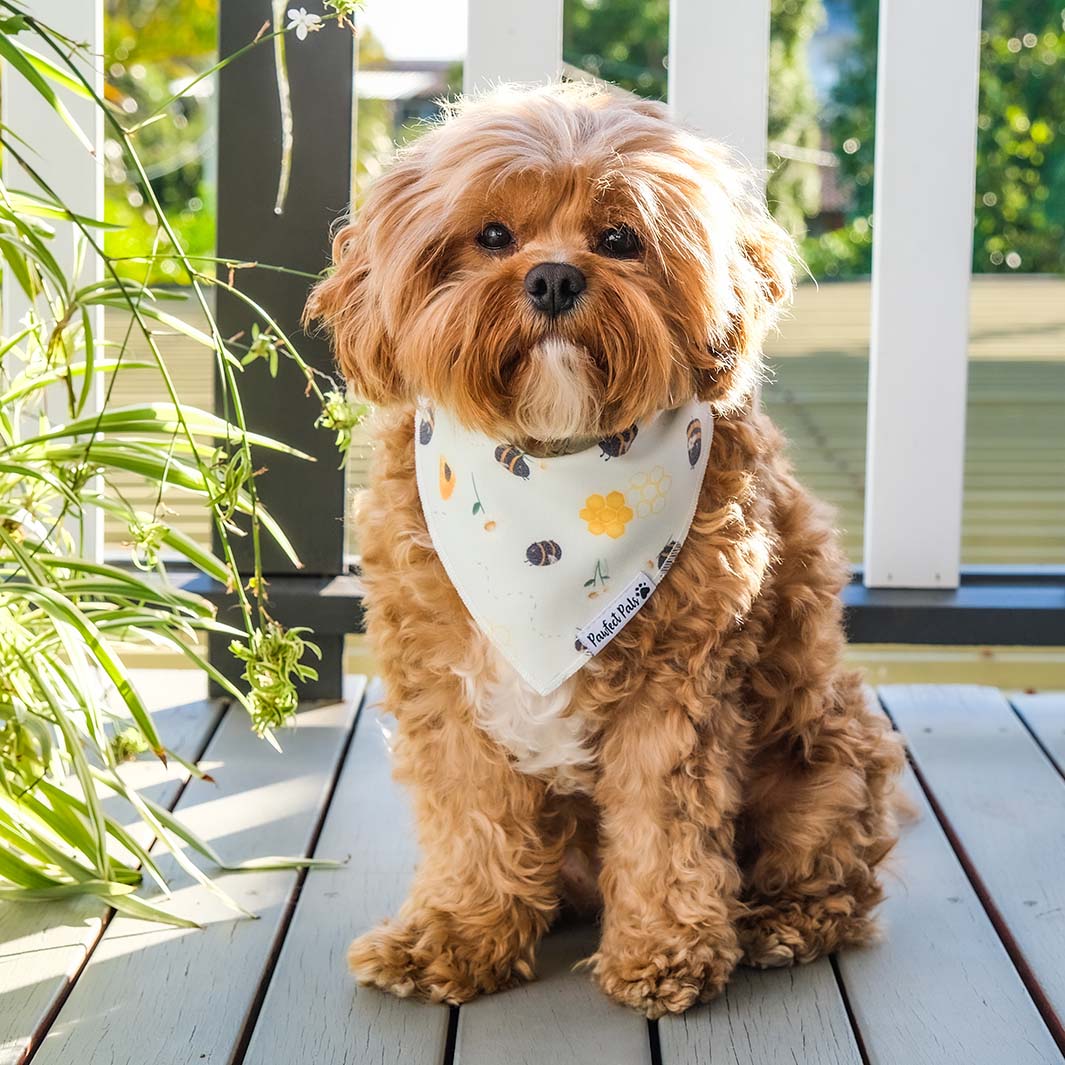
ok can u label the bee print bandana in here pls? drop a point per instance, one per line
(553, 556)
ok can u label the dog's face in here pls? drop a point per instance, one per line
(556, 264)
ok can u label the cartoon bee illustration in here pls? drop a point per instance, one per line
(615, 446)
(447, 479)
(425, 427)
(513, 459)
(665, 559)
(695, 441)
(543, 553)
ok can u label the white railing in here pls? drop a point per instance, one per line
(719, 71)
(76, 176)
(718, 78)
(922, 228)
(927, 75)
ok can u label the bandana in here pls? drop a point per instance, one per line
(553, 556)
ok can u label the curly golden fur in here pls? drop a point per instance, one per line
(737, 799)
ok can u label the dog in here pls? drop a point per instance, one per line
(712, 781)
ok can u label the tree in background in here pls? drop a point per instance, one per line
(1020, 156)
(625, 42)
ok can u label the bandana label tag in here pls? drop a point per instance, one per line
(615, 615)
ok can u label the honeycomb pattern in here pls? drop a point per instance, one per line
(648, 491)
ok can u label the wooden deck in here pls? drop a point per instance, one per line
(972, 971)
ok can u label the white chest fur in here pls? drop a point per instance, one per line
(543, 739)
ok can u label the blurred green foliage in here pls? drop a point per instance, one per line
(1020, 158)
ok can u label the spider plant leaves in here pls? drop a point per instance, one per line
(147, 461)
(163, 419)
(250, 865)
(49, 893)
(277, 862)
(205, 561)
(28, 69)
(88, 378)
(170, 832)
(26, 876)
(32, 472)
(17, 264)
(63, 617)
(135, 907)
(118, 896)
(25, 559)
(28, 203)
(81, 766)
(190, 331)
(202, 558)
(66, 615)
(47, 69)
(27, 384)
(101, 581)
(25, 240)
(67, 805)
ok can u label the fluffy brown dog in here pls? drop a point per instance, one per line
(714, 771)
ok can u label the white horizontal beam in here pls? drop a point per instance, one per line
(927, 77)
(719, 71)
(512, 41)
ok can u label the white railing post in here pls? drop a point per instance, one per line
(76, 176)
(512, 40)
(719, 71)
(927, 80)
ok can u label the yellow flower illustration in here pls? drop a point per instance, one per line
(609, 515)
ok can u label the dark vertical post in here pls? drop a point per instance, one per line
(306, 498)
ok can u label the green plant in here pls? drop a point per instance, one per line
(70, 712)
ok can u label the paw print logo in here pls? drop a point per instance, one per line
(648, 491)
(606, 514)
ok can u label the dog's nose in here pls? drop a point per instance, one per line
(553, 288)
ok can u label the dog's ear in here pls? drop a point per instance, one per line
(353, 300)
(765, 277)
(761, 273)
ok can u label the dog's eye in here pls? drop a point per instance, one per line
(495, 237)
(619, 242)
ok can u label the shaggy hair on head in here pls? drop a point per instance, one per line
(713, 779)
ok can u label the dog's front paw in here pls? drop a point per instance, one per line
(426, 956)
(775, 934)
(664, 978)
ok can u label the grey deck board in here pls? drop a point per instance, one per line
(766, 1018)
(313, 1010)
(561, 1018)
(1044, 713)
(42, 945)
(939, 989)
(1005, 804)
(155, 995)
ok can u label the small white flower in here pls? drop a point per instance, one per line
(303, 23)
